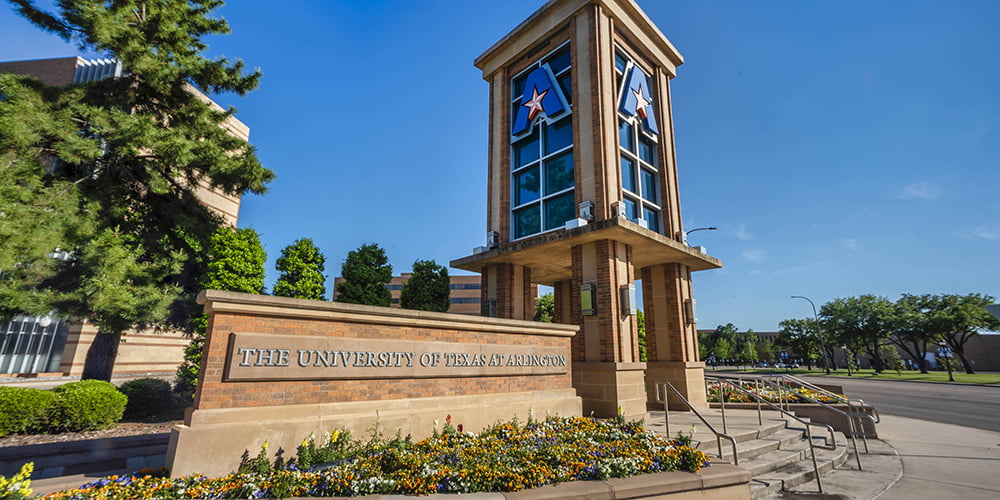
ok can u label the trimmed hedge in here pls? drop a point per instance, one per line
(23, 409)
(86, 405)
(147, 397)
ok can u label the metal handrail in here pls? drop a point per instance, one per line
(666, 416)
(851, 416)
(830, 444)
(851, 403)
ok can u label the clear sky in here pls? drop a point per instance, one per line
(841, 148)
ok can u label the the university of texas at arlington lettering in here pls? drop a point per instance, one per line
(285, 357)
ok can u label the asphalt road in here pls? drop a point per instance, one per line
(966, 405)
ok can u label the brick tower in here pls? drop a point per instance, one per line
(583, 197)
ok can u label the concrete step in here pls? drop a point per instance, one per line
(87, 456)
(799, 472)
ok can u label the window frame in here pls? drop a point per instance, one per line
(540, 129)
(637, 133)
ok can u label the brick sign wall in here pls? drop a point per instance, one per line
(276, 369)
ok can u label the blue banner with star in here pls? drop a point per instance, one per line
(637, 100)
(542, 96)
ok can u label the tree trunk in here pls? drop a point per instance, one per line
(965, 362)
(101, 356)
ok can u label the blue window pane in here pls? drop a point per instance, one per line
(526, 150)
(559, 173)
(625, 135)
(559, 61)
(647, 151)
(652, 219)
(566, 82)
(558, 135)
(518, 86)
(620, 62)
(649, 186)
(628, 175)
(630, 209)
(527, 221)
(526, 186)
(558, 210)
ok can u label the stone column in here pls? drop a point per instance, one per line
(671, 334)
(507, 292)
(607, 373)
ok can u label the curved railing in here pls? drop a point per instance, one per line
(829, 444)
(666, 415)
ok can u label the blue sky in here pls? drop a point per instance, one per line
(841, 148)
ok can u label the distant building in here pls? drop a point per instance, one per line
(466, 292)
(46, 345)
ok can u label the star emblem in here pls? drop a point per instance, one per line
(640, 102)
(535, 104)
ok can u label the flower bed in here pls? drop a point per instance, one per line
(504, 457)
(767, 393)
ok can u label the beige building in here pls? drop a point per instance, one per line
(39, 345)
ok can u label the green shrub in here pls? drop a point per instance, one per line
(147, 397)
(86, 405)
(23, 409)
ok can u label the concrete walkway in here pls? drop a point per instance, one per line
(916, 459)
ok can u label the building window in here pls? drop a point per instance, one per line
(637, 144)
(466, 286)
(465, 300)
(542, 169)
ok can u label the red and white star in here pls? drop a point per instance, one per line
(535, 104)
(640, 102)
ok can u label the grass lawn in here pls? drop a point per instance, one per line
(936, 376)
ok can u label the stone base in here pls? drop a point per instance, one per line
(606, 387)
(211, 441)
(687, 377)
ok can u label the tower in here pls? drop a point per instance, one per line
(583, 197)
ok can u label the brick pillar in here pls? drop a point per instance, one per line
(507, 290)
(671, 334)
(607, 373)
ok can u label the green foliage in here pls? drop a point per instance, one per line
(891, 358)
(147, 397)
(800, 338)
(861, 323)
(23, 409)
(366, 272)
(640, 326)
(129, 154)
(301, 266)
(427, 289)
(960, 317)
(545, 308)
(337, 446)
(236, 264)
(86, 405)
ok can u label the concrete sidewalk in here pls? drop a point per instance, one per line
(917, 459)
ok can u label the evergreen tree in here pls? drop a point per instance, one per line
(427, 289)
(366, 272)
(301, 265)
(121, 159)
(545, 308)
(236, 264)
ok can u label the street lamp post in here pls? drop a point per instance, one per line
(945, 353)
(686, 233)
(822, 344)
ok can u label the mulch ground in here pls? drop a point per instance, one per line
(121, 430)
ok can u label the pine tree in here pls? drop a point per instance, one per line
(427, 289)
(236, 264)
(366, 272)
(121, 159)
(545, 308)
(301, 266)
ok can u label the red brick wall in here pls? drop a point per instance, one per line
(213, 392)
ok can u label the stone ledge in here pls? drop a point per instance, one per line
(716, 482)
